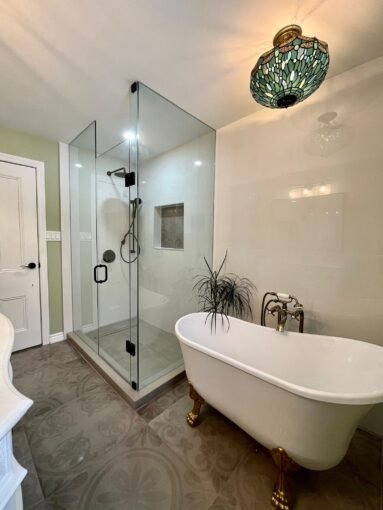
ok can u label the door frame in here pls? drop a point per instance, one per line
(39, 168)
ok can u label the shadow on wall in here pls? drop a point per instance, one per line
(329, 138)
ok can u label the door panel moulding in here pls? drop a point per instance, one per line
(38, 166)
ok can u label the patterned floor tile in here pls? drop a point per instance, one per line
(75, 434)
(86, 449)
(252, 482)
(364, 457)
(250, 485)
(30, 360)
(213, 449)
(336, 488)
(53, 383)
(142, 475)
(31, 487)
(155, 407)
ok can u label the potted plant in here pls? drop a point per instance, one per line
(223, 295)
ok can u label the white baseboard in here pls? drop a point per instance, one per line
(56, 337)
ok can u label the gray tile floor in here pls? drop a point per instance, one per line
(87, 449)
(159, 351)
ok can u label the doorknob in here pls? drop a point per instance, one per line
(31, 265)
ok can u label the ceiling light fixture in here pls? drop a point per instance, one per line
(291, 71)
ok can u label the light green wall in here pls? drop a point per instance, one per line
(55, 287)
(33, 147)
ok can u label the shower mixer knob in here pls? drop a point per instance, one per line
(108, 256)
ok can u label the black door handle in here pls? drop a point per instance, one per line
(31, 265)
(95, 273)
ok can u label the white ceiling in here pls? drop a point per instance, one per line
(66, 63)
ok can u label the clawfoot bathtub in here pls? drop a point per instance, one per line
(301, 396)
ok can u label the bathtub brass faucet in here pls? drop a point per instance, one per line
(275, 303)
(282, 316)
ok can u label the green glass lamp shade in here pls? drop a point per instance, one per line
(291, 71)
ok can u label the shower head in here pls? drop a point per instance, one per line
(136, 201)
(119, 172)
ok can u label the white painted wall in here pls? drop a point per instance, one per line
(324, 245)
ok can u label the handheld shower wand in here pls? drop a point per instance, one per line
(135, 203)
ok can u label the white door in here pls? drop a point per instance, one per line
(19, 254)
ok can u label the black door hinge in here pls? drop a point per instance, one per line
(130, 348)
(130, 179)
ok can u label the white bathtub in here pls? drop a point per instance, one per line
(304, 393)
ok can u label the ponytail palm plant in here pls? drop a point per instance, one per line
(223, 295)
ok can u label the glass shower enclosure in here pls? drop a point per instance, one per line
(141, 225)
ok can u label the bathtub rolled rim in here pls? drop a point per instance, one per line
(367, 398)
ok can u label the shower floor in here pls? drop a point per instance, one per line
(159, 350)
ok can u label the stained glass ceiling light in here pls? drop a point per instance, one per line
(291, 71)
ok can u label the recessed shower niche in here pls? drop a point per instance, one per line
(169, 227)
(143, 194)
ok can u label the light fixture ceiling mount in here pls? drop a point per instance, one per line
(291, 71)
(286, 34)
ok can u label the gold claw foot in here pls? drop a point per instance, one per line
(192, 418)
(279, 499)
(282, 496)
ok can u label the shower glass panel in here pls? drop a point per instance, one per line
(142, 223)
(175, 183)
(117, 211)
(82, 167)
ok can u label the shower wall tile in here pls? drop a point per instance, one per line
(167, 275)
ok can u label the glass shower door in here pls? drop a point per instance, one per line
(104, 251)
(117, 251)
